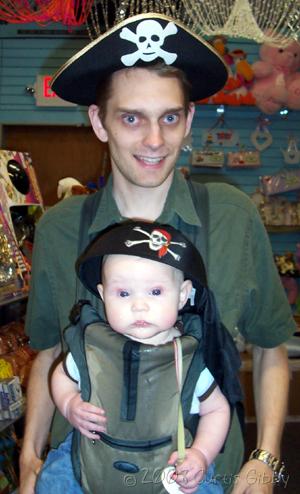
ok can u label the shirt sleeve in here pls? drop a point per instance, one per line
(71, 368)
(42, 321)
(204, 386)
(268, 319)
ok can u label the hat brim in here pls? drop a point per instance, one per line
(115, 241)
(78, 79)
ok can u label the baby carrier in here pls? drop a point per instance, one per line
(141, 407)
(136, 385)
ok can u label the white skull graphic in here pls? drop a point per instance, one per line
(149, 39)
(157, 240)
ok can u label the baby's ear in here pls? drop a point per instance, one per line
(100, 290)
(185, 291)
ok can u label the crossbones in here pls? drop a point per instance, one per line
(158, 240)
(149, 38)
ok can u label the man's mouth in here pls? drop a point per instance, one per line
(150, 160)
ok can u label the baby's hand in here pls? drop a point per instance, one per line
(85, 417)
(190, 471)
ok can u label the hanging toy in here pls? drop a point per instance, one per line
(261, 138)
(277, 78)
(292, 154)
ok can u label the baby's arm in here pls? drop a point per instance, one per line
(82, 415)
(211, 434)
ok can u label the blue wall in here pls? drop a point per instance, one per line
(29, 50)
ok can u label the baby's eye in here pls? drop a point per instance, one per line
(123, 293)
(156, 291)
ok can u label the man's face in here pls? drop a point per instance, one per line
(145, 124)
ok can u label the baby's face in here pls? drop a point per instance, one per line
(142, 297)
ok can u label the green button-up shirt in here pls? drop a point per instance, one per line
(241, 272)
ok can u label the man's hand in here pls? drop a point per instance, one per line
(254, 478)
(28, 474)
(85, 417)
(190, 471)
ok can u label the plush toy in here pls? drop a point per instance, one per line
(277, 82)
(70, 186)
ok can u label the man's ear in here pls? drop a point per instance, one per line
(189, 119)
(97, 124)
(185, 291)
(100, 290)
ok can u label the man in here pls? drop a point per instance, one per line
(140, 106)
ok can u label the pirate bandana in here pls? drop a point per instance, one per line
(137, 42)
(161, 243)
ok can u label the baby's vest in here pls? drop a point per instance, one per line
(136, 385)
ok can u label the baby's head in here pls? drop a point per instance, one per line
(142, 297)
(143, 272)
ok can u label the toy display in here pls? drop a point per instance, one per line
(243, 159)
(276, 211)
(277, 79)
(237, 90)
(20, 199)
(283, 181)
(16, 356)
(208, 158)
(288, 271)
(14, 270)
(18, 179)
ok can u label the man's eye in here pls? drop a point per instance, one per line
(130, 119)
(171, 118)
(123, 293)
(156, 291)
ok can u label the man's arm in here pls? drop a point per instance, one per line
(271, 384)
(39, 413)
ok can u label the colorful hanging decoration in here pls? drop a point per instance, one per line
(291, 154)
(220, 134)
(262, 138)
(68, 12)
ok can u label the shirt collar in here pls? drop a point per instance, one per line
(107, 212)
(179, 202)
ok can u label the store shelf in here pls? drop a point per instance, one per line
(13, 298)
(6, 423)
(282, 229)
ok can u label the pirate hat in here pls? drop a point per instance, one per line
(161, 243)
(136, 42)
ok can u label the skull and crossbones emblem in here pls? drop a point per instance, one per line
(149, 39)
(158, 240)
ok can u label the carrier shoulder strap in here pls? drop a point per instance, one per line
(220, 353)
(199, 195)
(87, 215)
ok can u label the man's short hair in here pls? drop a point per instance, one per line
(104, 89)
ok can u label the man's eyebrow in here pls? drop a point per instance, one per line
(138, 111)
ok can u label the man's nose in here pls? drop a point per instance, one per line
(154, 136)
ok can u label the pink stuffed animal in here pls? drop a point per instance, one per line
(277, 82)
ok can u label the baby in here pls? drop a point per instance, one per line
(140, 272)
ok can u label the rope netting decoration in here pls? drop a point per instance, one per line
(68, 12)
(272, 21)
(264, 21)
